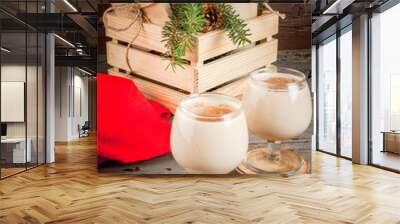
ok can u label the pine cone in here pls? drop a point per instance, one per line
(213, 18)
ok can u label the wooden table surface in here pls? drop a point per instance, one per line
(72, 191)
(166, 165)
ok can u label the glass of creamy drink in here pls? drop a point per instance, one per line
(209, 134)
(277, 104)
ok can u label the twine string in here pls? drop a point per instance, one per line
(133, 9)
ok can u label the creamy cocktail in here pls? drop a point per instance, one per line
(209, 134)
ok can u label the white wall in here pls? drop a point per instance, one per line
(12, 73)
(327, 96)
(69, 82)
(62, 83)
(389, 67)
(79, 117)
(34, 126)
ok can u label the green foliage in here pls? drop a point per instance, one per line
(234, 25)
(187, 20)
(179, 33)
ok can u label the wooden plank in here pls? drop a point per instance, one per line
(235, 88)
(209, 76)
(157, 13)
(236, 65)
(149, 37)
(210, 44)
(72, 190)
(151, 66)
(217, 42)
(245, 11)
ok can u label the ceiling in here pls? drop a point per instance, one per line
(326, 10)
(73, 20)
(39, 6)
(23, 48)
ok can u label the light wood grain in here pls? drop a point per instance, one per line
(236, 65)
(245, 11)
(149, 38)
(156, 13)
(151, 66)
(215, 43)
(193, 79)
(71, 191)
(210, 44)
(235, 88)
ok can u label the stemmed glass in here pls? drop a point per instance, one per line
(277, 104)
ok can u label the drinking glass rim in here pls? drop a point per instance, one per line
(290, 71)
(212, 118)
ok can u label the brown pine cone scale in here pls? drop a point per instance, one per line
(213, 18)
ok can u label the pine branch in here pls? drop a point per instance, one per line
(234, 25)
(179, 33)
(188, 19)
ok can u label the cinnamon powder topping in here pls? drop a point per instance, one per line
(216, 110)
(211, 113)
(279, 82)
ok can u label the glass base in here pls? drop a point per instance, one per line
(285, 162)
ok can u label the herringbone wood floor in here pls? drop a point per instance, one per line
(71, 191)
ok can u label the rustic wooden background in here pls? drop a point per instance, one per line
(295, 31)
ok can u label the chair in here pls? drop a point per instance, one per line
(84, 130)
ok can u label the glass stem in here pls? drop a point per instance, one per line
(273, 149)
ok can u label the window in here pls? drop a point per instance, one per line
(22, 77)
(346, 95)
(394, 101)
(326, 91)
(385, 89)
(334, 94)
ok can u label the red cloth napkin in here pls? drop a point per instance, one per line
(130, 128)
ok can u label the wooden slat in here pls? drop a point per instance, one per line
(149, 38)
(236, 65)
(151, 66)
(235, 88)
(208, 76)
(210, 44)
(217, 42)
(72, 191)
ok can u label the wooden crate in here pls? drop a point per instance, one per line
(214, 65)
